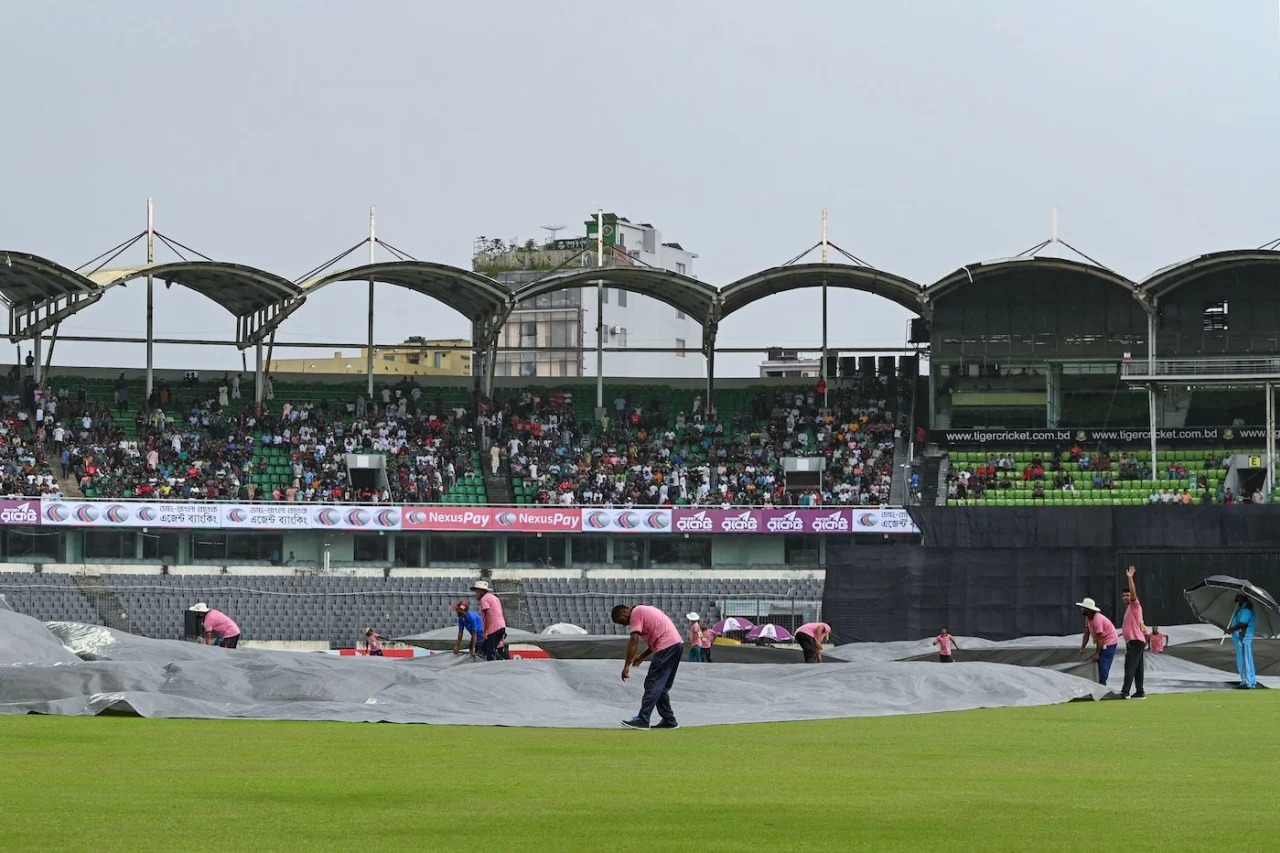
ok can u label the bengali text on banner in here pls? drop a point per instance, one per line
(129, 514)
(20, 513)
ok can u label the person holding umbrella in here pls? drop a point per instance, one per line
(1103, 633)
(1135, 641)
(1241, 631)
(1240, 609)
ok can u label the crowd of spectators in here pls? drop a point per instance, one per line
(1075, 468)
(642, 454)
(197, 440)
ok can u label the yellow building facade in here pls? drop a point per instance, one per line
(415, 357)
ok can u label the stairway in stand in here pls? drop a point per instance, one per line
(110, 612)
(514, 607)
(498, 489)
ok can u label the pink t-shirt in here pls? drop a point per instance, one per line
(220, 625)
(375, 643)
(655, 627)
(1099, 624)
(1132, 625)
(1157, 641)
(708, 637)
(491, 611)
(818, 630)
(695, 635)
(944, 642)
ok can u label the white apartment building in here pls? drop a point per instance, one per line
(568, 318)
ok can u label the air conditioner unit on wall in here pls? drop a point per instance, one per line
(613, 330)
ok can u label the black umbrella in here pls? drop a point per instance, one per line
(1213, 600)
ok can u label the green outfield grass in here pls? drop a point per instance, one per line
(1190, 772)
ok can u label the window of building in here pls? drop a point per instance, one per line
(681, 268)
(162, 547)
(437, 360)
(110, 545)
(528, 334)
(622, 299)
(388, 358)
(370, 548)
(680, 348)
(529, 368)
(235, 547)
(604, 295)
(1215, 317)
(536, 550)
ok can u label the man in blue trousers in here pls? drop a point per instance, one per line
(1102, 631)
(1241, 631)
(665, 646)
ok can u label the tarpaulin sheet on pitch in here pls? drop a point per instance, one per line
(67, 668)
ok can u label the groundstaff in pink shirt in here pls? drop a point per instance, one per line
(945, 643)
(811, 636)
(663, 648)
(1135, 642)
(495, 626)
(217, 624)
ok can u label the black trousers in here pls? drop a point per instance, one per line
(491, 649)
(1135, 666)
(657, 684)
(809, 646)
(231, 642)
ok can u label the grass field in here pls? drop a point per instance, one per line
(1189, 772)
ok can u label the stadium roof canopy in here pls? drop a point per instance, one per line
(473, 295)
(241, 290)
(968, 273)
(695, 298)
(768, 282)
(27, 279)
(1172, 277)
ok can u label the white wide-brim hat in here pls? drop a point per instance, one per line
(200, 608)
(692, 617)
(1088, 604)
(483, 586)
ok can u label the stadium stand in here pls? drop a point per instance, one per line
(586, 602)
(659, 447)
(1076, 477)
(336, 609)
(49, 598)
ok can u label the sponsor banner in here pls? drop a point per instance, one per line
(1038, 439)
(529, 654)
(130, 514)
(267, 516)
(883, 520)
(474, 519)
(626, 520)
(13, 513)
(386, 653)
(339, 517)
(808, 520)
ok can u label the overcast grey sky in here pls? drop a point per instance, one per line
(936, 133)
